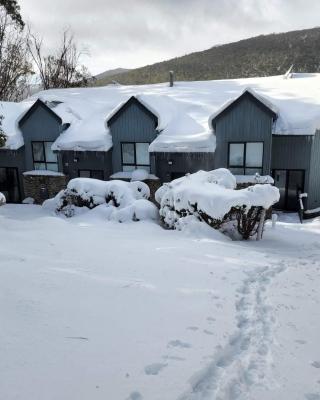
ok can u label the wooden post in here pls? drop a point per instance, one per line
(261, 223)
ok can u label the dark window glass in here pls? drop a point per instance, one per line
(84, 173)
(254, 154)
(97, 175)
(43, 157)
(9, 184)
(50, 155)
(142, 153)
(246, 158)
(135, 156)
(88, 173)
(38, 151)
(128, 153)
(236, 154)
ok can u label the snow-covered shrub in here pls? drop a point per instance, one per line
(2, 199)
(210, 197)
(124, 200)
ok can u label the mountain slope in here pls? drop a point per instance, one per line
(111, 72)
(263, 55)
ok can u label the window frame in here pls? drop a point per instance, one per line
(90, 172)
(44, 161)
(135, 165)
(243, 166)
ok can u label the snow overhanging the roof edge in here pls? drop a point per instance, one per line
(184, 111)
(11, 112)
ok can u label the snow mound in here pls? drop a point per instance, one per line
(28, 200)
(2, 199)
(122, 201)
(139, 175)
(211, 197)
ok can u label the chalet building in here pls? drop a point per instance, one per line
(269, 126)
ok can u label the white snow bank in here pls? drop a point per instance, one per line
(2, 199)
(43, 172)
(123, 201)
(211, 194)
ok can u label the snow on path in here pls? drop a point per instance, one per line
(99, 310)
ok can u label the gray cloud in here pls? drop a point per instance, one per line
(131, 33)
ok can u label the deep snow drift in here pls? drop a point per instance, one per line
(96, 310)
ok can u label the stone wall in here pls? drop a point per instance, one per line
(43, 187)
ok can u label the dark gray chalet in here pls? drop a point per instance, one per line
(262, 126)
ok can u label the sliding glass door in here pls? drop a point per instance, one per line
(9, 184)
(289, 182)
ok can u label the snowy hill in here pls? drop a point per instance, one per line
(263, 55)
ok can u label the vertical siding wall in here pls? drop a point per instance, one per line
(245, 121)
(313, 189)
(293, 152)
(133, 124)
(40, 125)
(73, 161)
(168, 163)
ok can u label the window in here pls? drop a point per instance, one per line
(43, 157)
(135, 156)
(89, 173)
(245, 158)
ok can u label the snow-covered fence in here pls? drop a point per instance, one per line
(2, 199)
(211, 197)
(120, 201)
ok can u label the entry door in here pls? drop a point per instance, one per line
(289, 182)
(295, 183)
(9, 184)
(280, 181)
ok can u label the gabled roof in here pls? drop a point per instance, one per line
(263, 103)
(36, 104)
(115, 114)
(183, 111)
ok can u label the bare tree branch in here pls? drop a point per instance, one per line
(61, 69)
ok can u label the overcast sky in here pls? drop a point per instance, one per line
(132, 33)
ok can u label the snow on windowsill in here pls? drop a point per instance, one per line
(128, 175)
(42, 172)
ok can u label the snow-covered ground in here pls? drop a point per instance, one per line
(102, 310)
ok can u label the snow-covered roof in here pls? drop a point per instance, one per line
(11, 111)
(253, 93)
(184, 111)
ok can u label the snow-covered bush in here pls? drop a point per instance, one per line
(211, 197)
(123, 200)
(2, 199)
